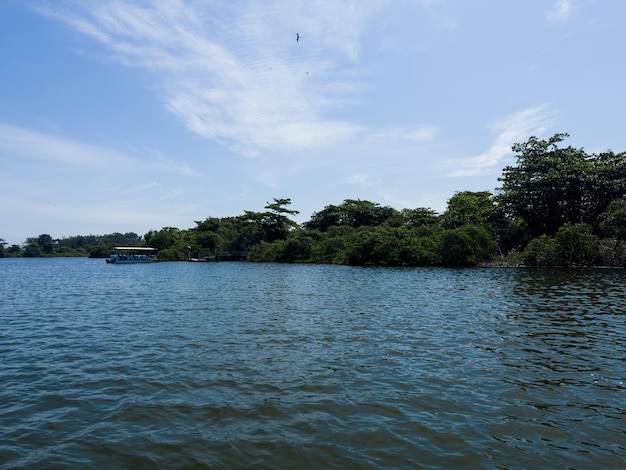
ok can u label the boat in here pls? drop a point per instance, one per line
(132, 255)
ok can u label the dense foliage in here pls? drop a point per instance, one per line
(44, 245)
(557, 206)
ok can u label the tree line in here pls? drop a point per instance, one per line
(80, 245)
(556, 206)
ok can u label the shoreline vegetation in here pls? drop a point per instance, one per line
(557, 206)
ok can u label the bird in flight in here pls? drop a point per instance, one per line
(297, 37)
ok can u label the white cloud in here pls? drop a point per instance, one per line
(404, 133)
(235, 72)
(16, 142)
(421, 134)
(361, 180)
(560, 12)
(20, 143)
(514, 128)
(76, 187)
(168, 165)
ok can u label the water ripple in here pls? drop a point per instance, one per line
(241, 365)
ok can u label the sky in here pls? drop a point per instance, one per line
(130, 116)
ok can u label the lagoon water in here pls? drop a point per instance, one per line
(241, 365)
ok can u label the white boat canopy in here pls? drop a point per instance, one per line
(135, 248)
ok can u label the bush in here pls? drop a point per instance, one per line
(468, 245)
(576, 245)
(572, 245)
(101, 251)
(613, 220)
(541, 251)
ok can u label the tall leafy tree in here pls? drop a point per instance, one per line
(38, 246)
(270, 225)
(164, 238)
(206, 234)
(607, 182)
(276, 223)
(352, 212)
(418, 217)
(548, 187)
(613, 220)
(469, 208)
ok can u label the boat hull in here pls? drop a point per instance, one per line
(129, 261)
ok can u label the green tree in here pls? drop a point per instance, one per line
(353, 213)
(421, 246)
(295, 249)
(13, 251)
(607, 182)
(330, 244)
(468, 245)
(162, 239)
(613, 225)
(255, 227)
(469, 208)
(548, 187)
(279, 206)
(31, 250)
(540, 251)
(222, 234)
(323, 220)
(43, 245)
(268, 226)
(613, 220)
(366, 246)
(511, 234)
(418, 217)
(207, 236)
(171, 242)
(101, 251)
(576, 245)
(276, 223)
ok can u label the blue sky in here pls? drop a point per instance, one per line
(136, 115)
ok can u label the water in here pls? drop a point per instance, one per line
(238, 365)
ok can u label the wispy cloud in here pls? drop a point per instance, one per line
(169, 165)
(406, 133)
(52, 181)
(360, 180)
(514, 128)
(422, 133)
(69, 155)
(234, 72)
(560, 12)
(16, 142)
